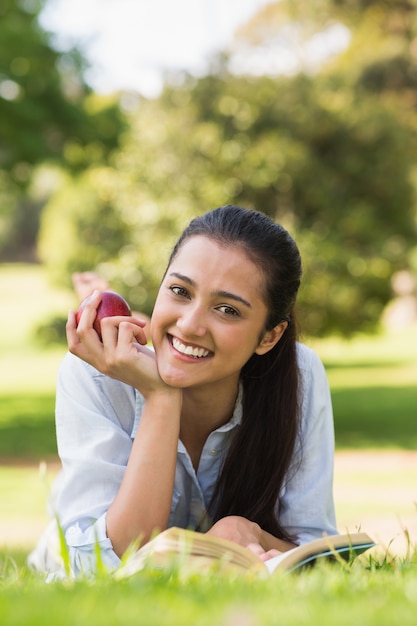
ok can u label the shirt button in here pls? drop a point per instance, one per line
(213, 452)
(71, 530)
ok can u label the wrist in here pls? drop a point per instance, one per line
(269, 542)
(161, 400)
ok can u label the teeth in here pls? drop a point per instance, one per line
(198, 353)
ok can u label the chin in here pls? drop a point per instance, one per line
(174, 379)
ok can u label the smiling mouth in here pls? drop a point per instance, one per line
(193, 351)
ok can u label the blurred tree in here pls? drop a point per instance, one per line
(380, 53)
(330, 159)
(331, 167)
(378, 63)
(47, 113)
(388, 66)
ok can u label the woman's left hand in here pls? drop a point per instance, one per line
(244, 532)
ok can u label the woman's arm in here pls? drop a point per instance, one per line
(96, 420)
(143, 502)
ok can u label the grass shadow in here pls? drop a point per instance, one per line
(365, 417)
(360, 364)
(27, 426)
(376, 417)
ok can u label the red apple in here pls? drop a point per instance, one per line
(111, 304)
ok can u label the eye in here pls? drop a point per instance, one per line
(182, 292)
(229, 311)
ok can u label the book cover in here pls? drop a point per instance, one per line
(201, 552)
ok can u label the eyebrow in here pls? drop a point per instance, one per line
(221, 293)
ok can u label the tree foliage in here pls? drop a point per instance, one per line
(331, 167)
(47, 113)
(328, 154)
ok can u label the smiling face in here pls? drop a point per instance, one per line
(209, 316)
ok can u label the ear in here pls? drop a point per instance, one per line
(271, 338)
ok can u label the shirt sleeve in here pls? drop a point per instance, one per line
(95, 416)
(306, 507)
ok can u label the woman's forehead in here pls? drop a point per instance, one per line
(202, 248)
(203, 259)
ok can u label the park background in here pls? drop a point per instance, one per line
(324, 143)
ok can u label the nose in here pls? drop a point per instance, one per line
(192, 321)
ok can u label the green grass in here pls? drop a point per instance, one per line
(376, 417)
(23, 513)
(27, 426)
(28, 300)
(375, 594)
(28, 368)
(374, 390)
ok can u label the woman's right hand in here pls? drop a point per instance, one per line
(122, 353)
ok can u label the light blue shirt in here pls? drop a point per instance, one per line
(97, 418)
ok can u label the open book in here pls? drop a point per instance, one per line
(201, 552)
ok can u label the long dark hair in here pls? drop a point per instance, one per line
(261, 452)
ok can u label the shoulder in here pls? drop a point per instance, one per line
(313, 377)
(307, 359)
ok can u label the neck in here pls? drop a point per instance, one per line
(201, 414)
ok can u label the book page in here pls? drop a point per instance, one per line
(272, 564)
(348, 546)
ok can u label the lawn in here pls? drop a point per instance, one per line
(375, 397)
(374, 391)
(28, 369)
(325, 595)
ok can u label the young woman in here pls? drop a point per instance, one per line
(225, 426)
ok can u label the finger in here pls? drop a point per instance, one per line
(129, 332)
(86, 351)
(86, 316)
(256, 548)
(71, 331)
(88, 309)
(112, 334)
(269, 554)
(142, 318)
(80, 331)
(118, 319)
